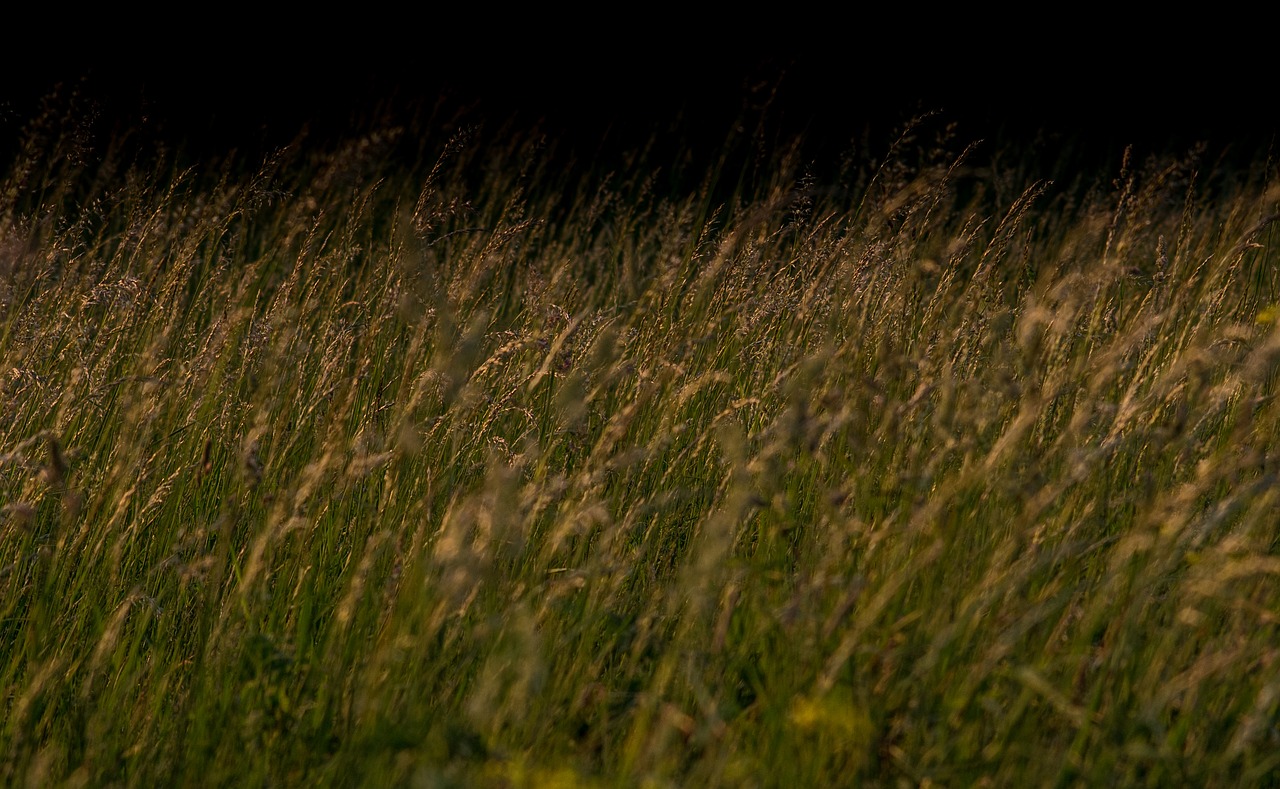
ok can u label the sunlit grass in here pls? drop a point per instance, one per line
(437, 458)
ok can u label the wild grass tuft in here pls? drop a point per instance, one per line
(439, 458)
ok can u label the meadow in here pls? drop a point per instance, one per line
(445, 455)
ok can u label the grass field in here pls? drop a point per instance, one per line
(446, 456)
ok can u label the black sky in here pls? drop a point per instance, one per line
(826, 76)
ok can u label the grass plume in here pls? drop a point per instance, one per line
(439, 457)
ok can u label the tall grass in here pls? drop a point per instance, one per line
(441, 458)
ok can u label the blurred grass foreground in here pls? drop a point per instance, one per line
(444, 455)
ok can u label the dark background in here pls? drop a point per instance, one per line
(1089, 77)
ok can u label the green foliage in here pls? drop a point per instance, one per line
(431, 459)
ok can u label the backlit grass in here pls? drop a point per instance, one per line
(445, 456)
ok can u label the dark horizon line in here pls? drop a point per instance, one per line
(1170, 107)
